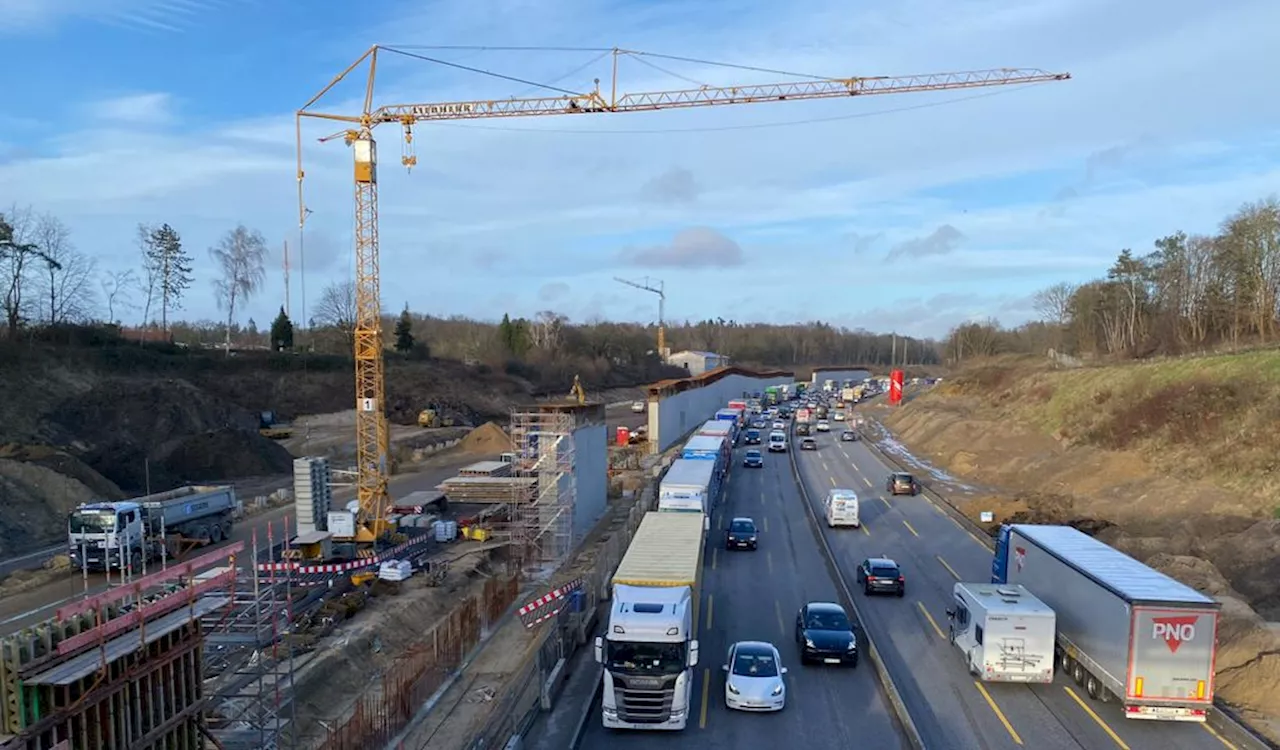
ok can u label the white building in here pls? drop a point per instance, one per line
(697, 362)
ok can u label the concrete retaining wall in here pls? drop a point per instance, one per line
(857, 376)
(673, 415)
(591, 474)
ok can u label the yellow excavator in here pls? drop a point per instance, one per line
(577, 392)
(431, 417)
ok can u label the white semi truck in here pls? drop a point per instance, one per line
(111, 535)
(1124, 631)
(650, 648)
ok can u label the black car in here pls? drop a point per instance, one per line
(803, 429)
(901, 483)
(824, 633)
(753, 459)
(751, 437)
(808, 444)
(742, 534)
(848, 436)
(880, 575)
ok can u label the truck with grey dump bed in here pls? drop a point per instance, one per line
(111, 535)
(1125, 631)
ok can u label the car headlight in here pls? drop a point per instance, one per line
(808, 641)
(777, 690)
(732, 689)
(853, 644)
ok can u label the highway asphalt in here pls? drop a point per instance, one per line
(950, 709)
(754, 595)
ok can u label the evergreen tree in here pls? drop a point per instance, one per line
(404, 331)
(281, 332)
(169, 264)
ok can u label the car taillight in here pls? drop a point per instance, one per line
(901, 579)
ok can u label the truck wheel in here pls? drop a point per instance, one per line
(1093, 686)
(215, 533)
(1078, 673)
(226, 528)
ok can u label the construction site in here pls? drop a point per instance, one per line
(233, 648)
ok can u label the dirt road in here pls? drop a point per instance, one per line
(27, 608)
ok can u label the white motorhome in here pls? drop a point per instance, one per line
(841, 508)
(1005, 633)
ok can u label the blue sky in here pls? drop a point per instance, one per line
(912, 213)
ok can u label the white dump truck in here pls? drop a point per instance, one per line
(650, 648)
(1005, 633)
(110, 535)
(1124, 631)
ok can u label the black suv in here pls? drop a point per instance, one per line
(824, 633)
(901, 483)
(880, 575)
(751, 437)
(741, 534)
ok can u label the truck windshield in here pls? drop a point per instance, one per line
(646, 658)
(93, 522)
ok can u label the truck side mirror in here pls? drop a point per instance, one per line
(599, 649)
(693, 653)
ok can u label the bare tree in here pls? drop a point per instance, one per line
(241, 257)
(150, 279)
(547, 331)
(117, 287)
(68, 274)
(19, 255)
(1054, 303)
(336, 309)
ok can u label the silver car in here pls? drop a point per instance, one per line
(753, 677)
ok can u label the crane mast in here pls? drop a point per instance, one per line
(662, 302)
(372, 434)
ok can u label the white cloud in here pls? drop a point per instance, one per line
(27, 16)
(514, 205)
(145, 110)
(698, 247)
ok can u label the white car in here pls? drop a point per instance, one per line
(823, 426)
(779, 425)
(839, 416)
(753, 677)
(637, 407)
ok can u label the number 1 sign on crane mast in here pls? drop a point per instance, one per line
(372, 441)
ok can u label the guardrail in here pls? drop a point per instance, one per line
(891, 691)
(1222, 719)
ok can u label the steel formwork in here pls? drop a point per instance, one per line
(117, 670)
(541, 520)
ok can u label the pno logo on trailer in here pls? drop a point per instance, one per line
(1174, 631)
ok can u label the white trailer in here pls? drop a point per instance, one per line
(650, 648)
(1125, 631)
(1005, 633)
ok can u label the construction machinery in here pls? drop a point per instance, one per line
(270, 426)
(432, 417)
(372, 434)
(577, 392)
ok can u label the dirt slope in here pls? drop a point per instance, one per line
(1172, 462)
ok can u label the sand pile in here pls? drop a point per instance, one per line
(487, 438)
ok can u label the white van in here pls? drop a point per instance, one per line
(777, 441)
(1005, 633)
(841, 508)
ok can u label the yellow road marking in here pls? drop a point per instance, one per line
(1219, 737)
(777, 610)
(999, 714)
(950, 569)
(833, 481)
(707, 622)
(864, 528)
(715, 556)
(932, 621)
(706, 692)
(1093, 715)
(768, 558)
(913, 531)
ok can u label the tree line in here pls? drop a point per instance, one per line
(45, 280)
(1188, 293)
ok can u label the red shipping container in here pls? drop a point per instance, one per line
(624, 435)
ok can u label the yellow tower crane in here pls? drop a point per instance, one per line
(372, 441)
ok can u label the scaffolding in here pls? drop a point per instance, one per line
(541, 516)
(249, 661)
